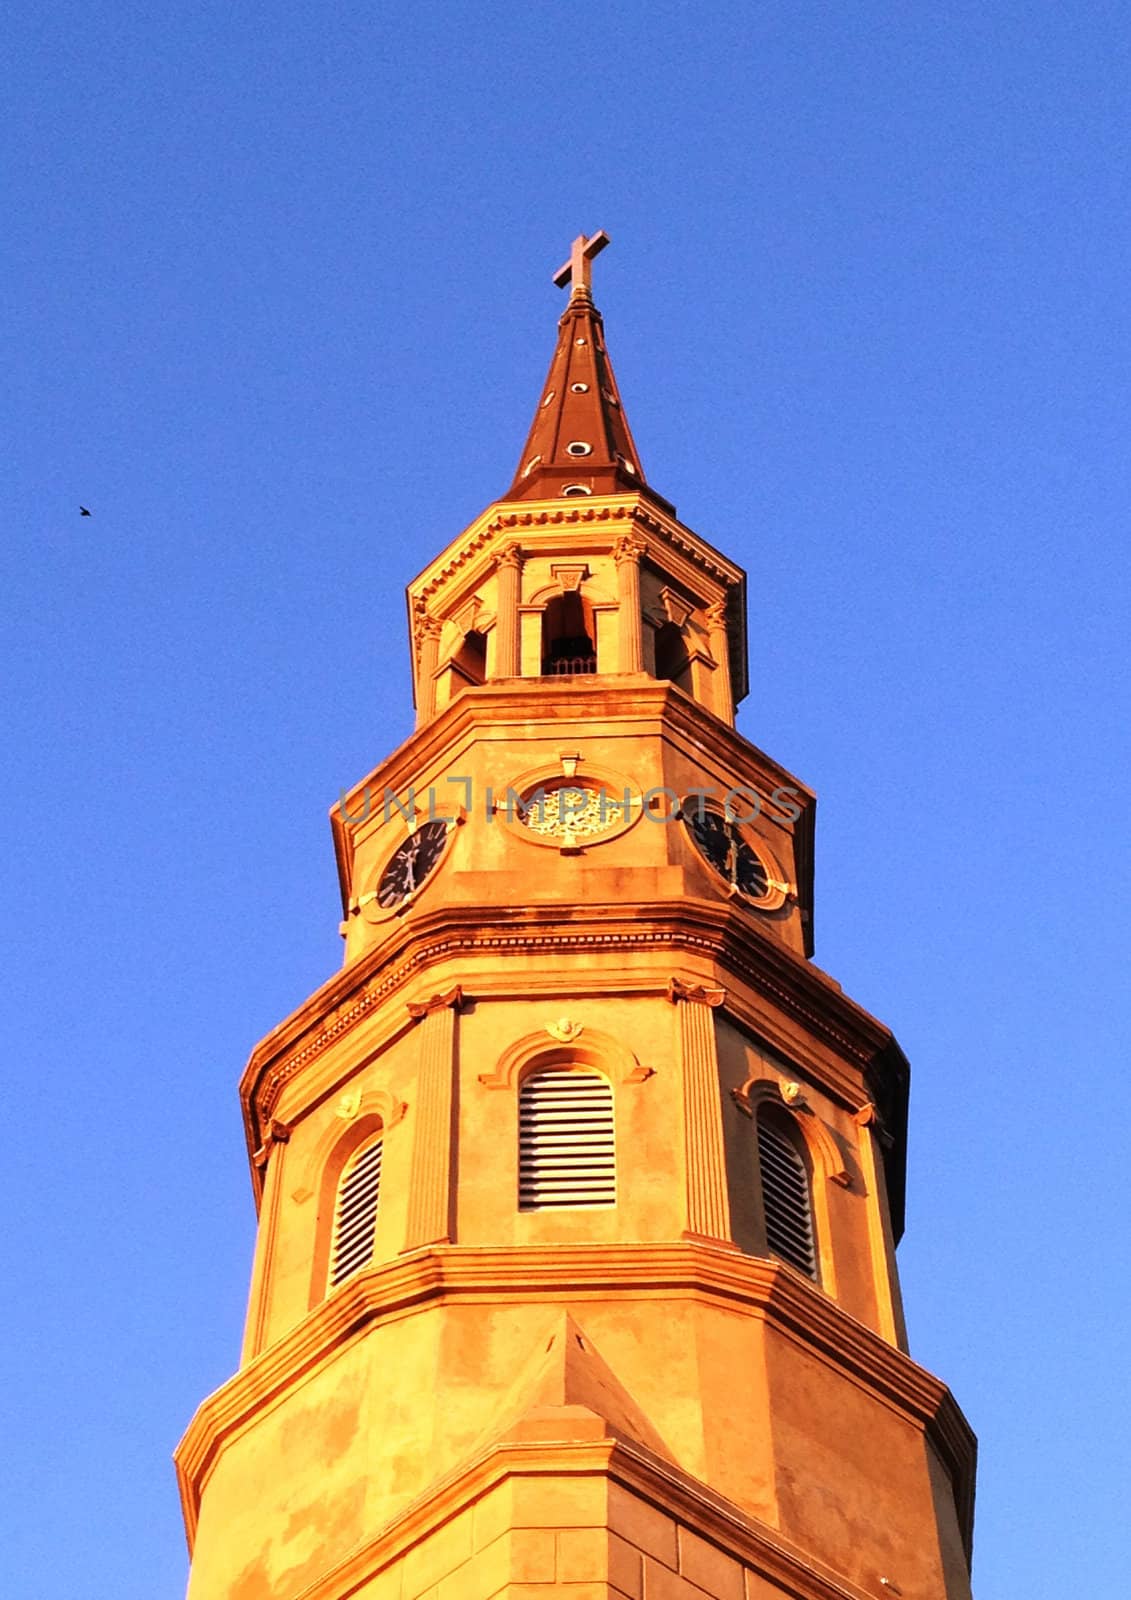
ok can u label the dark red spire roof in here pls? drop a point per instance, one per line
(580, 440)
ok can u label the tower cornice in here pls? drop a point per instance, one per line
(790, 1000)
(442, 1276)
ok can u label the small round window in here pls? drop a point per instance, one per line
(547, 400)
(577, 488)
(578, 447)
(579, 388)
(530, 465)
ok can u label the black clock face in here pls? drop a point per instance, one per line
(411, 863)
(722, 843)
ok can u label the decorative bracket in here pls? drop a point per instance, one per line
(869, 1117)
(436, 1002)
(277, 1133)
(570, 575)
(675, 607)
(679, 990)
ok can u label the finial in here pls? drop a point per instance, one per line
(578, 269)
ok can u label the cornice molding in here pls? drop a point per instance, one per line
(712, 933)
(445, 1274)
(631, 511)
(450, 931)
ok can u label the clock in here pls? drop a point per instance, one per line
(723, 844)
(410, 863)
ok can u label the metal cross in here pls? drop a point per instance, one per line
(578, 269)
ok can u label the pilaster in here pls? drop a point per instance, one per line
(708, 1207)
(430, 1181)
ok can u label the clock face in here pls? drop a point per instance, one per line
(728, 851)
(571, 812)
(410, 863)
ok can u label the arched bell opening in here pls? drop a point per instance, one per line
(471, 657)
(569, 636)
(672, 660)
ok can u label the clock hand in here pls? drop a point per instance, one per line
(732, 858)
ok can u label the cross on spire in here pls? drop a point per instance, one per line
(578, 269)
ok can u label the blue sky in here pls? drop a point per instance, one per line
(277, 309)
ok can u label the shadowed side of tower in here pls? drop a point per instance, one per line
(579, 1184)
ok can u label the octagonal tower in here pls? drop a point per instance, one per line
(579, 1184)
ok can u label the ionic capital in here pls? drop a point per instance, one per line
(678, 990)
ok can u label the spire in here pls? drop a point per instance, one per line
(580, 441)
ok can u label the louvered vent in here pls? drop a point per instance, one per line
(566, 1154)
(785, 1199)
(356, 1219)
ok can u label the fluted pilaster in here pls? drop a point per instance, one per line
(430, 1182)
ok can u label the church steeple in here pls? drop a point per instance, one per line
(579, 442)
(579, 1184)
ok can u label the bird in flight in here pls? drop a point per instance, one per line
(84, 512)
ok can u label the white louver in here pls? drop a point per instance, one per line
(785, 1199)
(566, 1152)
(356, 1218)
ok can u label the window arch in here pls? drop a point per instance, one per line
(355, 1212)
(566, 1144)
(787, 1205)
(568, 636)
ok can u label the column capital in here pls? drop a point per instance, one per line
(630, 548)
(453, 998)
(716, 617)
(509, 555)
(697, 992)
(428, 626)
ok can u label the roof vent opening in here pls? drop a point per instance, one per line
(547, 400)
(579, 388)
(577, 488)
(578, 447)
(530, 465)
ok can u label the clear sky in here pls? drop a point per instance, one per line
(278, 306)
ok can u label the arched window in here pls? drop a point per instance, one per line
(786, 1203)
(567, 636)
(671, 656)
(355, 1214)
(471, 657)
(566, 1151)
